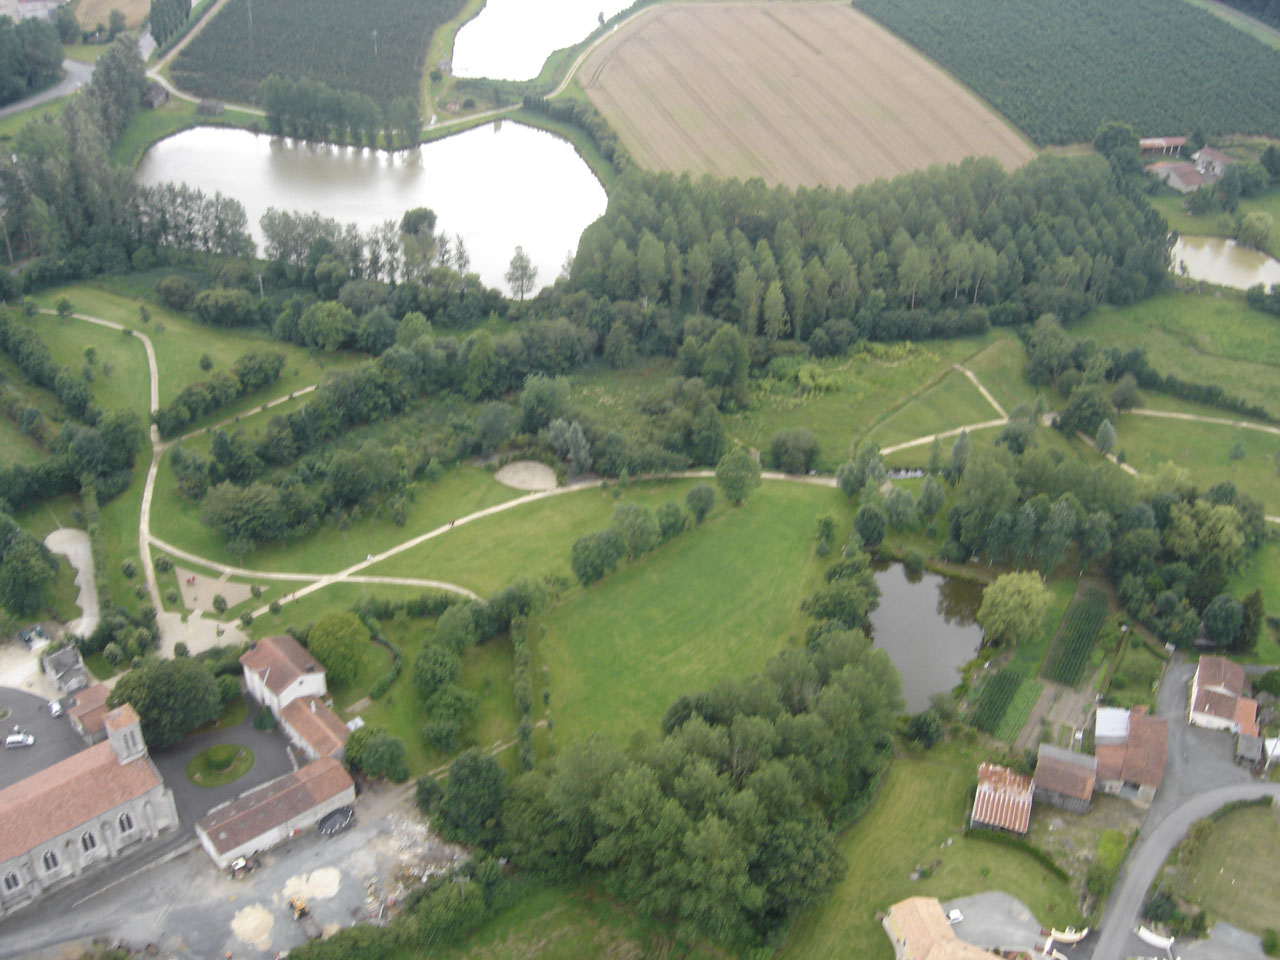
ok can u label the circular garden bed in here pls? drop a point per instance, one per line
(219, 765)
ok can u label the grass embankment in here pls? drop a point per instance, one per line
(922, 804)
(1201, 338)
(1230, 871)
(151, 126)
(717, 601)
(952, 402)
(1172, 206)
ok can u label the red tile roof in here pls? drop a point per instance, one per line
(72, 792)
(1246, 714)
(1110, 760)
(280, 661)
(121, 717)
(1147, 750)
(316, 724)
(1222, 673)
(89, 706)
(274, 803)
(1003, 798)
(1064, 772)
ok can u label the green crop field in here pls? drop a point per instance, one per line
(1133, 682)
(1059, 70)
(920, 808)
(323, 40)
(1204, 339)
(1080, 631)
(717, 601)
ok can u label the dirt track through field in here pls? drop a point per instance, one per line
(799, 94)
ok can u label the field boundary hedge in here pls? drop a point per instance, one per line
(1018, 843)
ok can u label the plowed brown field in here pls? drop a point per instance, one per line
(796, 93)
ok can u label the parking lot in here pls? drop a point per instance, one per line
(55, 738)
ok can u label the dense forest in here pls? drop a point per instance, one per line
(372, 49)
(1059, 70)
(30, 58)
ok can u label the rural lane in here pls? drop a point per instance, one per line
(1124, 910)
(78, 75)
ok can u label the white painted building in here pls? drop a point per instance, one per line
(273, 812)
(81, 812)
(279, 670)
(1217, 698)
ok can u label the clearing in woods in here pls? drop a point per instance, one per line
(799, 94)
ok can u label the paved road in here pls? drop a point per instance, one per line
(77, 75)
(1200, 776)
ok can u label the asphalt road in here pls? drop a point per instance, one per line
(55, 738)
(77, 75)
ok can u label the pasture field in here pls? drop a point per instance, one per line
(1244, 843)
(920, 806)
(120, 375)
(799, 94)
(1000, 368)
(1201, 338)
(1262, 572)
(717, 601)
(325, 40)
(181, 341)
(952, 402)
(1059, 70)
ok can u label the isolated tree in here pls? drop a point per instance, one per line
(437, 665)
(456, 628)
(542, 400)
(793, 451)
(737, 474)
(596, 555)
(171, 697)
(377, 753)
(27, 573)
(900, 509)
(522, 274)
(700, 499)
(579, 450)
(471, 808)
(1106, 438)
(1013, 608)
(932, 497)
(1223, 619)
(671, 520)
(638, 528)
(960, 451)
(1251, 621)
(338, 640)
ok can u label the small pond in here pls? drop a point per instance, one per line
(499, 186)
(511, 39)
(1224, 262)
(926, 623)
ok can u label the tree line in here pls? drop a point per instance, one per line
(312, 110)
(250, 372)
(167, 19)
(30, 57)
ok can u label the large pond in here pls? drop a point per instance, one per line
(1224, 262)
(926, 623)
(511, 39)
(499, 186)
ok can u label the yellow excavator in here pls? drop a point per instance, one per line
(302, 914)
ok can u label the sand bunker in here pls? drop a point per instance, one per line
(253, 925)
(318, 885)
(527, 475)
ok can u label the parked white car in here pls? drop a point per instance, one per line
(15, 740)
(954, 917)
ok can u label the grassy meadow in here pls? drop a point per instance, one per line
(1171, 206)
(120, 376)
(717, 601)
(922, 804)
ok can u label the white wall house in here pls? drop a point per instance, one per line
(80, 813)
(1217, 698)
(279, 670)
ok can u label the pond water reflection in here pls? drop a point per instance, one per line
(499, 186)
(1224, 262)
(926, 623)
(511, 39)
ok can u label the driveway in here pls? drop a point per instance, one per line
(996, 921)
(271, 759)
(74, 545)
(77, 75)
(55, 738)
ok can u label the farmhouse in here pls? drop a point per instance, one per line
(1217, 698)
(81, 812)
(920, 931)
(1064, 778)
(275, 811)
(1182, 175)
(281, 675)
(1212, 162)
(1131, 748)
(1161, 146)
(1003, 799)
(88, 712)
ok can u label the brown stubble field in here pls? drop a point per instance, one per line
(796, 93)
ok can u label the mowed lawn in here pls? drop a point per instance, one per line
(953, 402)
(1204, 339)
(798, 94)
(1233, 876)
(458, 492)
(125, 386)
(920, 807)
(716, 602)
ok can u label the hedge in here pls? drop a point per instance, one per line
(1018, 843)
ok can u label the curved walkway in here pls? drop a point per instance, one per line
(1125, 906)
(78, 75)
